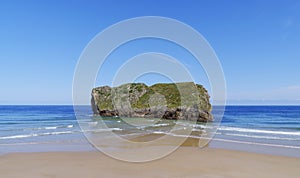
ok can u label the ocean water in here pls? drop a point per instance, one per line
(263, 129)
(40, 128)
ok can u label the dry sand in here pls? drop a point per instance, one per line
(185, 162)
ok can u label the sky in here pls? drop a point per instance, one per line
(257, 43)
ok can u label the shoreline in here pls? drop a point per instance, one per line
(81, 159)
(216, 143)
(184, 162)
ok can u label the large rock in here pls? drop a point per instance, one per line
(185, 101)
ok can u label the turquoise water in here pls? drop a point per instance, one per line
(24, 127)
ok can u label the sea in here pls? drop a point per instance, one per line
(38, 128)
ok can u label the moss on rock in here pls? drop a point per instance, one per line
(172, 100)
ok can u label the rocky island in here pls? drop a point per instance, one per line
(184, 101)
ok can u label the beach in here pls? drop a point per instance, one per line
(150, 89)
(184, 162)
(46, 141)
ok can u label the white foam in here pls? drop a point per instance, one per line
(35, 135)
(103, 130)
(56, 133)
(159, 132)
(255, 143)
(263, 137)
(259, 131)
(117, 129)
(233, 141)
(50, 128)
(17, 136)
(161, 125)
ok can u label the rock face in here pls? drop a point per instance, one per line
(185, 101)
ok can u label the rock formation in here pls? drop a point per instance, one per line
(185, 101)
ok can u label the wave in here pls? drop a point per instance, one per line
(231, 141)
(37, 128)
(102, 130)
(36, 135)
(256, 143)
(152, 126)
(263, 137)
(159, 132)
(161, 125)
(51, 127)
(237, 129)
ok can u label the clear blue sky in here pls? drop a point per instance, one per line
(257, 42)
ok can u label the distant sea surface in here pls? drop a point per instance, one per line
(24, 127)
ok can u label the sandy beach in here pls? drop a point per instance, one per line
(184, 162)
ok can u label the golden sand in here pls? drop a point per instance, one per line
(185, 162)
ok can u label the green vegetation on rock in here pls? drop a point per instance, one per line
(132, 98)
